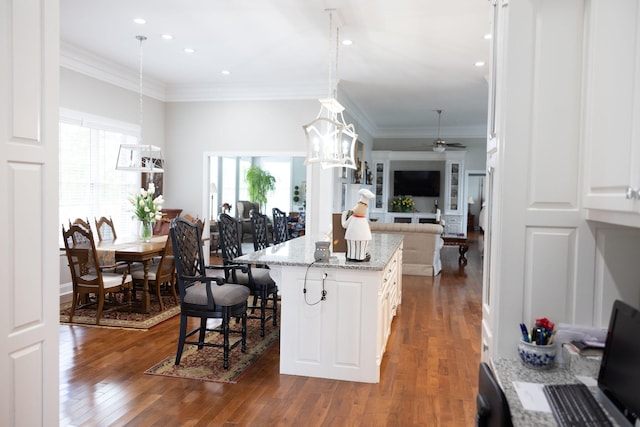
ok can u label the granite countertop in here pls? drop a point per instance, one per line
(298, 252)
(509, 370)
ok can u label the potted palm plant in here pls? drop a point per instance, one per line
(260, 183)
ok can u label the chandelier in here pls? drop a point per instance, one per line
(330, 140)
(140, 157)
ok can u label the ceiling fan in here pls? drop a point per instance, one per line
(439, 145)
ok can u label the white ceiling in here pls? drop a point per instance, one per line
(408, 58)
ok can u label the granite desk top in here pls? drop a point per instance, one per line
(298, 252)
(509, 370)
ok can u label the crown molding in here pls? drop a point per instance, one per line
(84, 62)
(431, 132)
(357, 115)
(242, 92)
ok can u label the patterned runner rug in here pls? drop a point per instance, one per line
(121, 318)
(206, 364)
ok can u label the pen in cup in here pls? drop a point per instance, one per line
(525, 333)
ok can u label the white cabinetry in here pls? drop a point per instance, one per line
(389, 297)
(410, 218)
(453, 224)
(452, 197)
(344, 335)
(453, 207)
(612, 114)
(380, 184)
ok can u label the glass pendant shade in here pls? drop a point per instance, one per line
(330, 141)
(141, 158)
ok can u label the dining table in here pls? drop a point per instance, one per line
(133, 251)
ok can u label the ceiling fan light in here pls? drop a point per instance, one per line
(439, 148)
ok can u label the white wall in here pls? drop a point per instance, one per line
(195, 128)
(187, 131)
(86, 94)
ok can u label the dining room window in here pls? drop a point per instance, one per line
(89, 184)
(280, 169)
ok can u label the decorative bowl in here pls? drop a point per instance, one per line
(537, 356)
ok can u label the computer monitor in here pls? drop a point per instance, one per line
(619, 376)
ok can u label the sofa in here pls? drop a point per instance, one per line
(421, 248)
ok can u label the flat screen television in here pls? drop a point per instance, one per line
(619, 375)
(416, 183)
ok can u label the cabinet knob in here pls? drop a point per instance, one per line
(631, 193)
(485, 347)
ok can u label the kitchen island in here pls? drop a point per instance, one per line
(335, 315)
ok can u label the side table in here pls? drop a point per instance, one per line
(460, 242)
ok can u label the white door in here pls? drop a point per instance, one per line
(29, 307)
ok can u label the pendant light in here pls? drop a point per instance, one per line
(140, 157)
(330, 140)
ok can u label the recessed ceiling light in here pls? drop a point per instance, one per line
(139, 20)
(226, 72)
(189, 50)
(487, 36)
(347, 42)
(479, 64)
(167, 36)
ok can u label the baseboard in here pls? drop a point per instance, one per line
(417, 269)
(66, 291)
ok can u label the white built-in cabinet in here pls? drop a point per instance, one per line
(612, 114)
(451, 199)
(455, 222)
(563, 128)
(380, 183)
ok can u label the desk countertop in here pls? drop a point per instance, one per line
(509, 370)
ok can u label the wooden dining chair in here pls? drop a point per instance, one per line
(105, 229)
(160, 274)
(81, 222)
(203, 296)
(87, 277)
(257, 279)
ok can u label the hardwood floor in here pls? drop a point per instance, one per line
(428, 373)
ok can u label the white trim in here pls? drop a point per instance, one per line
(80, 118)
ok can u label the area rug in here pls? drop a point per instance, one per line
(120, 318)
(206, 364)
